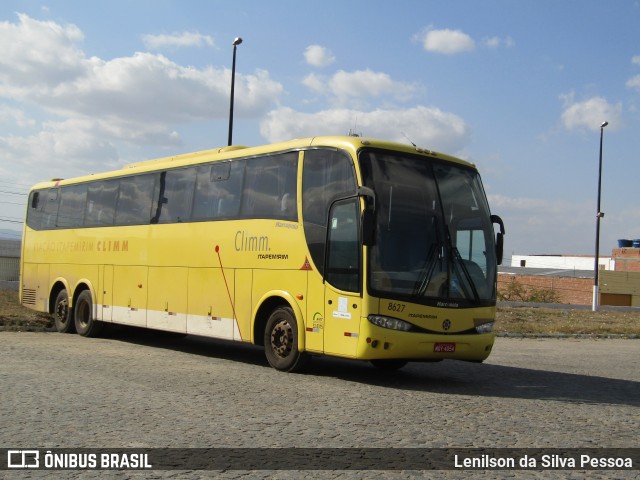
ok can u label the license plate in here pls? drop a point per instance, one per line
(442, 347)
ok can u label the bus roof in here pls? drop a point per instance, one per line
(349, 143)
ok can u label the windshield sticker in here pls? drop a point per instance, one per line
(343, 304)
(343, 309)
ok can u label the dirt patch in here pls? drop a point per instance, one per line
(566, 321)
(14, 316)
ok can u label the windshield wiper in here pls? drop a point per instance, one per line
(427, 270)
(467, 275)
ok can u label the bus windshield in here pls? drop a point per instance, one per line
(433, 235)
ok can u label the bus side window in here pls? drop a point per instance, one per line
(328, 175)
(343, 262)
(177, 195)
(270, 187)
(72, 202)
(48, 208)
(135, 200)
(34, 212)
(218, 190)
(101, 203)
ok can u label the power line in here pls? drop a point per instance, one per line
(13, 184)
(13, 193)
(8, 220)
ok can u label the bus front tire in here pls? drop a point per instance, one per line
(85, 324)
(281, 341)
(62, 314)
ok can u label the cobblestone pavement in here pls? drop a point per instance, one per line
(139, 389)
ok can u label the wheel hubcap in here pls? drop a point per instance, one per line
(282, 339)
(62, 310)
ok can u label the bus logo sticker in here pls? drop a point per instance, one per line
(306, 265)
(318, 322)
(446, 325)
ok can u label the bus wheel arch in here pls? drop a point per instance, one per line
(278, 327)
(84, 312)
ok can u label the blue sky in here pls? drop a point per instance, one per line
(520, 88)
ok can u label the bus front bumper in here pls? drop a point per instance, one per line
(383, 343)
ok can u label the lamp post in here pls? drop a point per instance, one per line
(599, 215)
(236, 42)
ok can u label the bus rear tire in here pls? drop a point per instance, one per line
(281, 341)
(85, 324)
(62, 314)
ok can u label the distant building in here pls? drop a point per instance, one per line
(622, 286)
(571, 276)
(563, 262)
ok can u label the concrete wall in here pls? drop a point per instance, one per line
(9, 260)
(9, 269)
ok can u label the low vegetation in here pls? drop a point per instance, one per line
(514, 291)
(14, 316)
(513, 320)
(567, 321)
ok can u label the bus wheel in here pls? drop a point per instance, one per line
(86, 325)
(281, 341)
(388, 364)
(62, 313)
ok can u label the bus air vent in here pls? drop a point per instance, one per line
(28, 296)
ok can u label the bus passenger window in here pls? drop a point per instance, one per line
(50, 209)
(270, 187)
(135, 200)
(101, 203)
(218, 190)
(34, 213)
(176, 188)
(72, 200)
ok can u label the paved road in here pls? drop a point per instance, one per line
(136, 389)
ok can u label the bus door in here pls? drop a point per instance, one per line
(343, 302)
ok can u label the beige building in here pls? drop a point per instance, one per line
(622, 286)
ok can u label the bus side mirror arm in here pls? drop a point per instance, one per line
(368, 215)
(499, 238)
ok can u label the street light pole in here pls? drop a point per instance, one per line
(599, 215)
(236, 42)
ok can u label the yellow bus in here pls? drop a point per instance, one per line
(342, 246)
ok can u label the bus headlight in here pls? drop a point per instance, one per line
(485, 327)
(390, 322)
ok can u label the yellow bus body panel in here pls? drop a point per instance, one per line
(211, 278)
